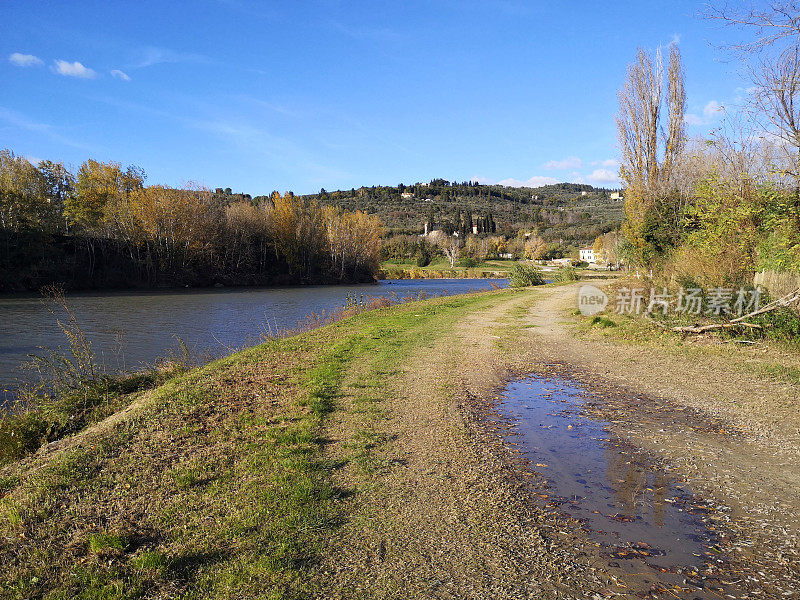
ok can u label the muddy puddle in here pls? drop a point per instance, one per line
(647, 525)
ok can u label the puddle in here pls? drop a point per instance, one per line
(645, 521)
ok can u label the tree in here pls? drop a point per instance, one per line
(97, 184)
(23, 203)
(451, 247)
(650, 150)
(771, 22)
(59, 187)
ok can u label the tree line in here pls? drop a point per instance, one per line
(103, 227)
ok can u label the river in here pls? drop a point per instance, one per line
(129, 330)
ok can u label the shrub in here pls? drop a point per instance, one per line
(566, 274)
(467, 262)
(603, 321)
(523, 275)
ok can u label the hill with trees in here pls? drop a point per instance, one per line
(570, 213)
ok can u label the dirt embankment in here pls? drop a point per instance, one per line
(447, 517)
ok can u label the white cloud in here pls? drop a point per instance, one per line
(535, 181)
(692, 119)
(25, 60)
(612, 163)
(675, 40)
(571, 162)
(120, 75)
(711, 109)
(74, 69)
(603, 176)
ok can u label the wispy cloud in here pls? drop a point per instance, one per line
(675, 39)
(571, 162)
(259, 141)
(25, 60)
(381, 34)
(120, 75)
(19, 120)
(73, 69)
(153, 55)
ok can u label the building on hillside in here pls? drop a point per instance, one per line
(587, 255)
(406, 195)
(616, 196)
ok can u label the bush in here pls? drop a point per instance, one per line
(782, 324)
(424, 260)
(523, 275)
(566, 274)
(467, 262)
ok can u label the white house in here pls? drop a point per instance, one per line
(587, 255)
(616, 196)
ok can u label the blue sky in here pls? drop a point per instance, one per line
(301, 95)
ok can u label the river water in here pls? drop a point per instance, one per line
(131, 329)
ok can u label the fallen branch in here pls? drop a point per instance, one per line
(786, 300)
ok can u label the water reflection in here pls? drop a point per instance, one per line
(645, 519)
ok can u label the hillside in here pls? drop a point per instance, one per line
(574, 213)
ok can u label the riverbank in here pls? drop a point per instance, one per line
(440, 269)
(355, 460)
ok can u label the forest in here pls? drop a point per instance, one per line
(102, 227)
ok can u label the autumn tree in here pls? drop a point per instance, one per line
(97, 184)
(23, 201)
(298, 231)
(651, 133)
(535, 248)
(354, 242)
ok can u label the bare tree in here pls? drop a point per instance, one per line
(650, 151)
(771, 22)
(452, 248)
(652, 136)
(777, 99)
(773, 58)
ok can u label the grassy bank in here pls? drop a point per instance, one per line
(216, 483)
(770, 351)
(440, 268)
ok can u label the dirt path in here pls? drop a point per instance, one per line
(734, 436)
(439, 517)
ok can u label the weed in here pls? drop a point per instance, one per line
(603, 321)
(103, 542)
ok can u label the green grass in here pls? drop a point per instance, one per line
(52, 416)
(440, 267)
(219, 486)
